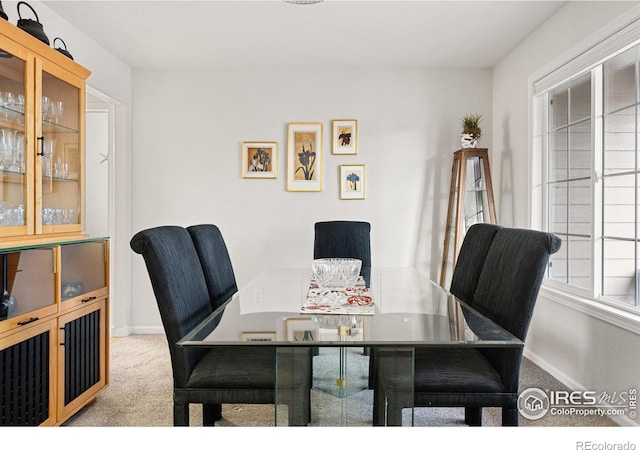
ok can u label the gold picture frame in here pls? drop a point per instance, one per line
(259, 336)
(259, 160)
(352, 182)
(302, 329)
(304, 157)
(345, 137)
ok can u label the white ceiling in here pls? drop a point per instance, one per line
(332, 34)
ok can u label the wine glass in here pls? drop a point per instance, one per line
(19, 107)
(55, 110)
(46, 108)
(49, 150)
(8, 144)
(6, 99)
(18, 155)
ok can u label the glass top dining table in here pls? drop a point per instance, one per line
(409, 311)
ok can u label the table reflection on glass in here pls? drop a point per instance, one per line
(409, 311)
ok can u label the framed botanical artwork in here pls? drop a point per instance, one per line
(258, 336)
(304, 157)
(345, 137)
(259, 159)
(302, 329)
(352, 182)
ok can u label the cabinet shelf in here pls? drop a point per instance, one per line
(10, 124)
(62, 179)
(6, 176)
(52, 127)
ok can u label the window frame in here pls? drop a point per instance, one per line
(569, 179)
(616, 38)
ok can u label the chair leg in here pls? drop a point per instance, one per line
(509, 417)
(211, 414)
(394, 416)
(372, 369)
(180, 415)
(293, 364)
(378, 408)
(299, 408)
(473, 416)
(384, 413)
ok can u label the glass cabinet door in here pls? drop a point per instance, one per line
(83, 269)
(28, 286)
(59, 150)
(15, 136)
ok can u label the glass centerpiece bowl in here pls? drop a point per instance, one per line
(336, 273)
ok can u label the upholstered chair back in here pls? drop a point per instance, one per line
(180, 289)
(470, 261)
(216, 262)
(511, 277)
(344, 239)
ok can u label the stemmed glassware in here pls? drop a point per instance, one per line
(46, 107)
(12, 106)
(19, 107)
(55, 110)
(52, 110)
(49, 150)
(8, 140)
(18, 155)
(6, 99)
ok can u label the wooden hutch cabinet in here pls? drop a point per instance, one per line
(55, 279)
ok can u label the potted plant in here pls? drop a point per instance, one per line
(471, 131)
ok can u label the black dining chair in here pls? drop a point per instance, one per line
(470, 260)
(344, 239)
(473, 378)
(218, 375)
(216, 262)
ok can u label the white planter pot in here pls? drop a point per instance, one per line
(468, 141)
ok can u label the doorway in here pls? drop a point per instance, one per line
(99, 175)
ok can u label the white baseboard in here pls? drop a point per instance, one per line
(126, 331)
(147, 330)
(120, 331)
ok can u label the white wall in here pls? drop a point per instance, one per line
(188, 131)
(97, 172)
(581, 350)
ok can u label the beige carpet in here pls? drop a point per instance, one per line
(140, 395)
